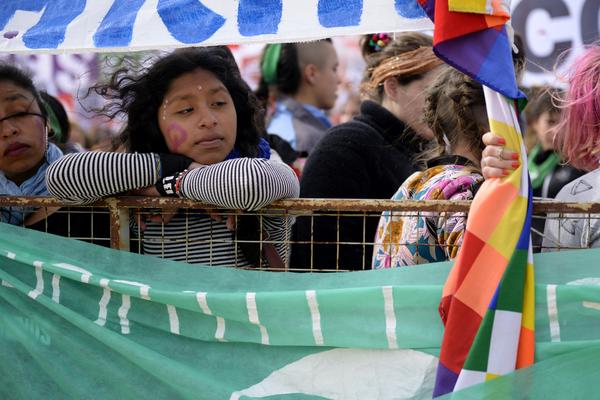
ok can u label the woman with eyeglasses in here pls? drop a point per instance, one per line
(26, 153)
(24, 149)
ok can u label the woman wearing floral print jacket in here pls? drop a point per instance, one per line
(455, 111)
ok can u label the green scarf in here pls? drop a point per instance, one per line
(538, 172)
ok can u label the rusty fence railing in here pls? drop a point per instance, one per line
(335, 232)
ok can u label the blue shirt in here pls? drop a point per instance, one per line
(281, 123)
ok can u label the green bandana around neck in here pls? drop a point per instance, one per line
(538, 172)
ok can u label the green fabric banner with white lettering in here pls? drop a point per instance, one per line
(81, 321)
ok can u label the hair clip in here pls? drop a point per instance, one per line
(378, 41)
(270, 62)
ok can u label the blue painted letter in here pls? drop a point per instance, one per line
(116, 28)
(49, 32)
(335, 13)
(259, 17)
(8, 9)
(189, 21)
(409, 9)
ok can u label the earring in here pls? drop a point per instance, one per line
(46, 136)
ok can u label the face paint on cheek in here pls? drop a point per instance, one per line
(177, 136)
(164, 110)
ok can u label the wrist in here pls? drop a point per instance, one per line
(170, 186)
(166, 186)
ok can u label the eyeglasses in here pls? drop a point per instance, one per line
(20, 117)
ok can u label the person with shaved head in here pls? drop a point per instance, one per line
(303, 79)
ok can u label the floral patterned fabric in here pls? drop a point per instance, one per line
(408, 238)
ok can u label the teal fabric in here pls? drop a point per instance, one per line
(81, 321)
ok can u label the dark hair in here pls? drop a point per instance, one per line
(541, 99)
(139, 96)
(402, 43)
(455, 108)
(22, 79)
(61, 118)
(519, 56)
(289, 73)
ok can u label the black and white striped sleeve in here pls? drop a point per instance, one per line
(243, 183)
(86, 177)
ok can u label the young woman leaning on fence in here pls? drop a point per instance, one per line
(194, 130)
(25, 154)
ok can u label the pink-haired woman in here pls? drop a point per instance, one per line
(577, 137)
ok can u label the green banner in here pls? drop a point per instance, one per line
(81, 321)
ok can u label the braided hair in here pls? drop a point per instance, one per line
(455, 112)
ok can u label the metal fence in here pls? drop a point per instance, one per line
(324, 234)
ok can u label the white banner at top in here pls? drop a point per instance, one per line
(60, 26)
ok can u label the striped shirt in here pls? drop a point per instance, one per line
(191, 235)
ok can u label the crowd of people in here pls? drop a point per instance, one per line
(194, 129)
